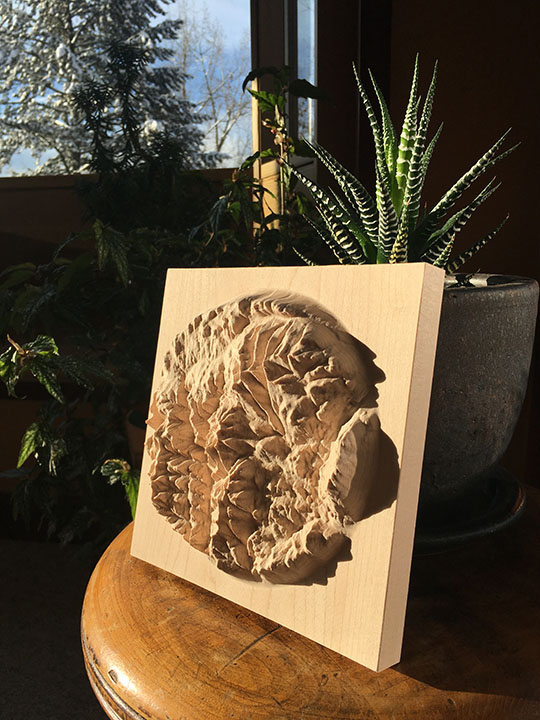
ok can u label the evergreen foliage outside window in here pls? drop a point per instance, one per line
(50, 48)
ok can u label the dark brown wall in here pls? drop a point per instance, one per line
(489, 61)
(35, 214)
(348, 32)
(39, 212)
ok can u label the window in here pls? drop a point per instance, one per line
(306, 62)
(320, 41)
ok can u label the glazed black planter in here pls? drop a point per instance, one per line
(481, 368)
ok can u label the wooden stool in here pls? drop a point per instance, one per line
(159, 648)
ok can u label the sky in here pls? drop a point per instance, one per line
(233, 15)
(232, 19)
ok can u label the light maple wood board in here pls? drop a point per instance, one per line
(358, 607)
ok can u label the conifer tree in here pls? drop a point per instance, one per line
(50, 48)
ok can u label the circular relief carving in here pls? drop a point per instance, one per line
(265, 439)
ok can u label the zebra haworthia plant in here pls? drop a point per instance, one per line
(389, 228)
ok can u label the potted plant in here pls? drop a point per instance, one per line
(487, 322)
(84, 324)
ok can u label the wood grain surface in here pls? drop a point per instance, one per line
(159, 648)
(393, 310)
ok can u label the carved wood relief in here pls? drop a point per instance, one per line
(282, 465)
(266, 435)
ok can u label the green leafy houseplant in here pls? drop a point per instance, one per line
(273, 108)
(99, 296)
(59, 483)
(249, 223)
(391, 228)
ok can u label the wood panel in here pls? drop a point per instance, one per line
(394, 311)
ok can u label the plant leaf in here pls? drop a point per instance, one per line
(260, 72)
(340, 254)
(426, 227)
(43, 345)
(46, 374)
(342, 243)
(456, 263)
(377, 137)
(17, 275)
(304, 89)
(9, 371)
(304, 258)
(415, 175)
(112, 245)
(439, 240)
(30, 442)
(486, 161)
(343, 228)
(442, 259)
(389, 135)
(267, 100)
(117, 470)
(74, 269)
(407, 136)
(31, 301)
(354, 191)
(398, 254)
(131, 488)
(101, 246)
(259, 155)
(430, 148)
(388, 221)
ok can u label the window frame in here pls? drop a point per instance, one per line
(358, 32)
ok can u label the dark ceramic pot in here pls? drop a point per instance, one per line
(481, 368)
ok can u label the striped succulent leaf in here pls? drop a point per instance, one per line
(342, 239)
(323, 200)
(429, 150)
(341, 226)
(389, 229)
(416, 175)
(335, 169)
(336, 214)
(353, 190)
(414, 238)
(442, 258)
(399, 253)
(437, 249)
(457, 262)
(354, 221)
(388, 221)
(304, 258)
(328, 238)
(375, 129)
(406, 139)
(425, 229)
(484, 163)
(439, 239)
(389, 135)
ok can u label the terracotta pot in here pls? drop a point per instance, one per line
(481, 369)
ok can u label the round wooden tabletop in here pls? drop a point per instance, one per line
(158, 648)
